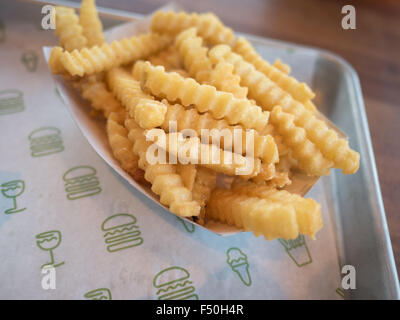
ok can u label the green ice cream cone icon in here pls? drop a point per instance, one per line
(44, 141)
(237, 260)
(173, 284)
(189, 227)
(30, 60)
(11, 101)
(99, 294)
(80, 182)
(297, 250)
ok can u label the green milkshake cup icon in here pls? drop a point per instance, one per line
(98, 294)
(80, 182)
(121, 232)
(30, 60)
(237, 260)
(297, 250)
(173, 284)
(48, 241)
(12, 190)
(11, 101)
(44, 141)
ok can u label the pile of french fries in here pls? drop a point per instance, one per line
(191, 70)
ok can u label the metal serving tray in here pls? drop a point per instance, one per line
(355, 201)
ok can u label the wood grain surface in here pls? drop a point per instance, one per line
(373, 49)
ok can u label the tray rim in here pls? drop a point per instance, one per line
(361, 111)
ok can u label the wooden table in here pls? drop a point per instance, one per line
(373, 49)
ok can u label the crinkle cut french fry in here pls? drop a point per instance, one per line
(164, 178)
(209, 156)
(204, 97)
(121, 146)
(299, 90)
(209, 26)
(91, 24)
(188, 173)
(147, 112)
(204, 184)
(223, 78)
(285, 68)
(194, 55)
(68, 29)
(264, 145)
(168, 58)
(107, 56)
(96, 92)
(268, 95)
(308, 211)
(263, 217)
(55, 64)
(310, 158)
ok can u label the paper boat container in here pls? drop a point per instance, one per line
(94, 130)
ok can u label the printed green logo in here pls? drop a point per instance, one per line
(30, 60)
(237, 260)
(11, 101)
(121, 232)
(44, 141)
(80, 182)
(2, 32)
(99, 294)
(340, 292)
(189, 227)
(58, 94)
(12, 190)
(173, 284)
(297, 250)
(48, 241)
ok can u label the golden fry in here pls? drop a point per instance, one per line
(91, 24)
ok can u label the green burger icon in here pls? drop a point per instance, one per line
(44, 141)
(173, 284)
(80, 182)
(121, 232)
(11, 101)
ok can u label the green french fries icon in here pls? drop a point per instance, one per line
(237, 260)
(99, 294)
(297, 250)
(11, 101)
(121, 232)
(30, 60)
(189, 227)
(48, 241)
(2, 32)
(12, 190)
(44, 141)
(173, 284)
(80, 182)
